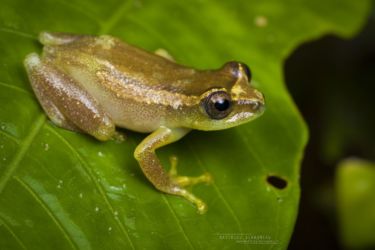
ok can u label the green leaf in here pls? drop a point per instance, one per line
(65, 188)
(355, 188)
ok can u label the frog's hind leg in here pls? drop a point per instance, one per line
(169, 183)
(65, 102)
(50, 38)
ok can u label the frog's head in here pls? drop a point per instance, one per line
(235, 103)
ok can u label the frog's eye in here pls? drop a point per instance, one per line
(247, 71)
(217, 105)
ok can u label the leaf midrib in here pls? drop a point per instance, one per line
(24, 147)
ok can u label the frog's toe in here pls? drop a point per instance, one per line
(201, 206)
(165, 54)
(31, 61)
(184, 181)
(119, 136)
(51, 38)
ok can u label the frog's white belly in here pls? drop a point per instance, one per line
(130, 113)
(134, 116)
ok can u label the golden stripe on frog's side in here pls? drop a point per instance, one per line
(124, 87)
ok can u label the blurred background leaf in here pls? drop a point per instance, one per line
(355, 189)
(332, 81)
(60, 187)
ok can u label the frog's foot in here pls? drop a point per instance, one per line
(119, 136)
(183, 181)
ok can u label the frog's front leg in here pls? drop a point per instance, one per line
(50, 38)
(152, 168)
(65, 102)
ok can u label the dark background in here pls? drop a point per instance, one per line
(332, 81)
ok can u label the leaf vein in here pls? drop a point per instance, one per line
(262, 165)
(9, 229)
(10, 136)
(18, 89)
(17, 32)
(178, 221)
(25, 145)
(81, 11)
(115, 17)
(47, 209)
(99, 187)
(221, 196)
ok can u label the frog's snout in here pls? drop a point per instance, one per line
(259, 105)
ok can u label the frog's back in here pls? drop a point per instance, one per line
(144, 69)
(109, 53)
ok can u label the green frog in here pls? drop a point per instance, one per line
(94, 84)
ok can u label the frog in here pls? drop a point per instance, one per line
(97, 84)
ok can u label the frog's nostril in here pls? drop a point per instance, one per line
(255, 105)
(258, 106)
